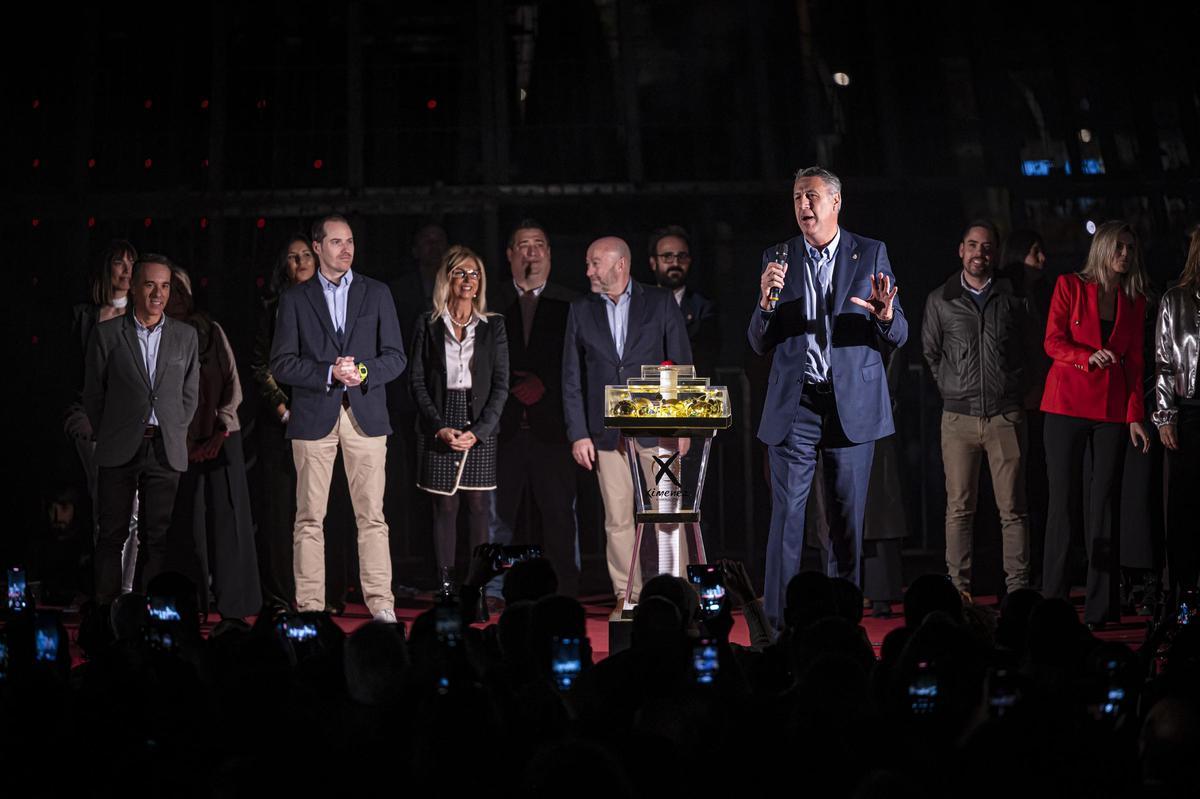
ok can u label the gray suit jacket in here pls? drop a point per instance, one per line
(118, 396)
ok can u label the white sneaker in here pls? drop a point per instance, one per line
(387, 616)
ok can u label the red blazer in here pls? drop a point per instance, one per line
(1073, 387)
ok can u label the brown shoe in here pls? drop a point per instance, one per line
(618, 610)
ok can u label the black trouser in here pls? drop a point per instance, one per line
(1066, 439)
(212, 520)
(445, 522)
(1036, 497)
(149, 472)
(1183, 501)
(274, 494)
(544, 474)
(883, 570)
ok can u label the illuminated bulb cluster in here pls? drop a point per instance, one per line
(654, 406)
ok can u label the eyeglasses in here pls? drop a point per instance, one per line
(680, 257)
(465, 274)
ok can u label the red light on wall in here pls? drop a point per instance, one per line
(431, 104)
(204, 163)
(91, 163)
(37, 162)
(261, 104)
(91, 221)
(148, 104)
(318, 163)
(259, 282)
(203, 282)
(204, 103)
(36, 221)
(149, 162)
(147, 222)
(261, 223)
(203, 222)
(36, 104)
(34, 341)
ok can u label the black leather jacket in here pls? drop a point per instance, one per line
(980, 359)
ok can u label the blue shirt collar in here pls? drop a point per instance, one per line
(831, 247)
(328, 285)
(139, 326)
(624, 294)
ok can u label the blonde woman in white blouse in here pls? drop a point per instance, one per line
(458, 373)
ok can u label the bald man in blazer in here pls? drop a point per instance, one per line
(611, 333)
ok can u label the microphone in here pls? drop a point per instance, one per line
(781, 257)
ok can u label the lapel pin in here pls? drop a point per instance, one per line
(854, 257)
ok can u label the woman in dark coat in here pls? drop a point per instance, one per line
(458, 372)
(275, 481)
(212, 505)
(109, 298)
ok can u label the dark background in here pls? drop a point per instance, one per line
(212, 131)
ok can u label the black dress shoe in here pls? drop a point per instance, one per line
(1096, 626)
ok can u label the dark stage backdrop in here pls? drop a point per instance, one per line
(212, 135)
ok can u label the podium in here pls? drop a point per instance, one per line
(674, 417)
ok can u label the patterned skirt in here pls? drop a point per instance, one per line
(441, 470)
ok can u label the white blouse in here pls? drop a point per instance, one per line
(459, 354)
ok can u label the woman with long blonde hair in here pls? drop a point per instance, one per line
(1093, 396)
(458, 375)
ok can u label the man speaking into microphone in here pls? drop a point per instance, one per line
(827, 307)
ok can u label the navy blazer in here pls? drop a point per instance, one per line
(855, 363)
(656, 333)
(489, 375)
(306, 345)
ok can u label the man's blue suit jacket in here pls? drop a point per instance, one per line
(855, 363)
(656, 333)
(306, 345)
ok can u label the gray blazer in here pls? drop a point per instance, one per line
(118, 396)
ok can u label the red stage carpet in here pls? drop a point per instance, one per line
(1131, 631)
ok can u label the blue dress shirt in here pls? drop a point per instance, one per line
(148, 339)
(335, 301)
(818, 293)
(618, 316)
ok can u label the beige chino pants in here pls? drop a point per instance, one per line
(965, 440)
(364, 457)
(616, 489)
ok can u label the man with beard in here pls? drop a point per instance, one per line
(671, 262)
(337, 344)
(978, 340)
